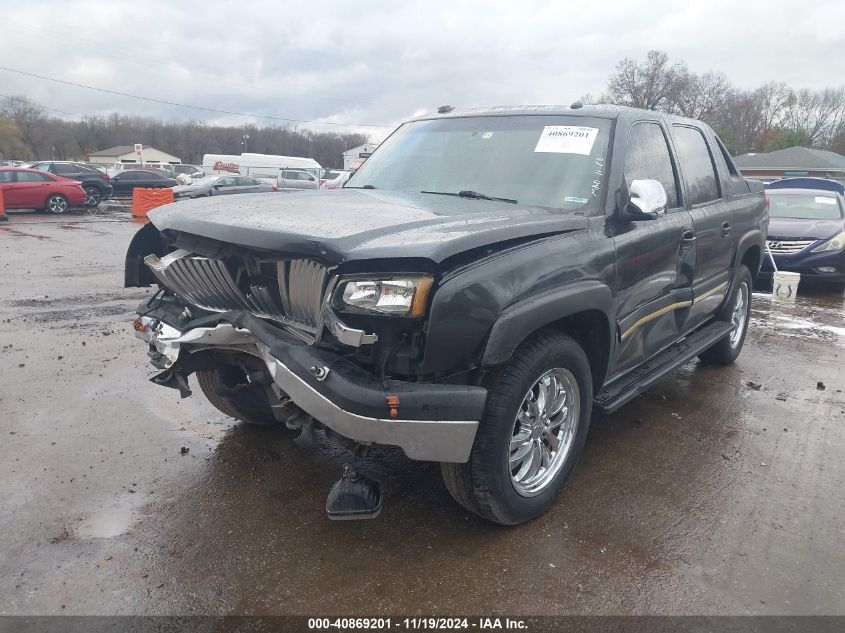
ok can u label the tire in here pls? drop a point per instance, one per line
(227, 389)
(93, 196)
(727, 349)
(56, 204)
(489, 484)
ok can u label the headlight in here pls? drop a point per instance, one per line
(836, 243)
(400, 296)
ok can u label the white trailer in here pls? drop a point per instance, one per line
(262, 166)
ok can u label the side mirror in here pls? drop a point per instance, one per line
(217, 186)
(646, 199)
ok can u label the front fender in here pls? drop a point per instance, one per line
(145, 242)
(521, 319)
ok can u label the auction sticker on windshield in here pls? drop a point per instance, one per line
(567, 139)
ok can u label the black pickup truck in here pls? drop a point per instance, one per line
(484, 281)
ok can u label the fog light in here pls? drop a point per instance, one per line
(827, 269)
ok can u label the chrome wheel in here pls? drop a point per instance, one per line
(544, 431)
(92, 196)
(739, 316)
(56, 204)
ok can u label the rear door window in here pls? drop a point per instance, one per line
(64, 170)
(31, 176)
(696, 165)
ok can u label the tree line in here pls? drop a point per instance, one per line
(771, 117)
(28, 132)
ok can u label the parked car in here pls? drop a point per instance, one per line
(219, 185)
(481, 284)
(297, 179)
(183, 172)
(807, 229)
(97, 185)
(32, 189)
(127, 180)
(334, 178)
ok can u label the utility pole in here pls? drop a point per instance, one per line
(246, 141)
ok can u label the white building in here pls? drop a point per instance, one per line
(352, 158)
(126, 154)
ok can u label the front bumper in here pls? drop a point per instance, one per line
(808, 264)
(428, 421)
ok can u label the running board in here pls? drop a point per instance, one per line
(634, 383)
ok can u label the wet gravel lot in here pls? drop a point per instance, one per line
(720, 491)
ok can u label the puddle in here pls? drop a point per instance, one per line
(113, 520)
(820, 321)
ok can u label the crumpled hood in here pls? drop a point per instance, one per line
(348, 224)
(792, 229)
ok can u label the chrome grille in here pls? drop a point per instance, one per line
(788, 247)
(209, 284)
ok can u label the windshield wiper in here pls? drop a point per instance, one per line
(474, 195)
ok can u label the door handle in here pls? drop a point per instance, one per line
(688, 236)
(726, 229)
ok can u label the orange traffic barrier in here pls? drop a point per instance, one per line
(3, 216)
(143, 200)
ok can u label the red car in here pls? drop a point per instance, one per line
(32, 189)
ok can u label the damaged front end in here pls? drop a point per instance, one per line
(273, 318)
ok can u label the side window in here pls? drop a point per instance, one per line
(648, 158)
(31, 176)
(696, 164)
(7, 176)
(227, 182)
(43, 167)
(64, 169)
(738, 182)
(130, 175)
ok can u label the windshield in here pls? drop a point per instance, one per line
(804, 206)
(548, 161)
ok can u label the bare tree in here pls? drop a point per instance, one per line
(816, 113)
(703, 96)
(26, 114)
(11, 141)
(650, 84)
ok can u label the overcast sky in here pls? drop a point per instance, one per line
(380, 62)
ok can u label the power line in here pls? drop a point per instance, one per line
(185, 105)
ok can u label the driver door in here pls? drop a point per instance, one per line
(655, 258)
(225, 186)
